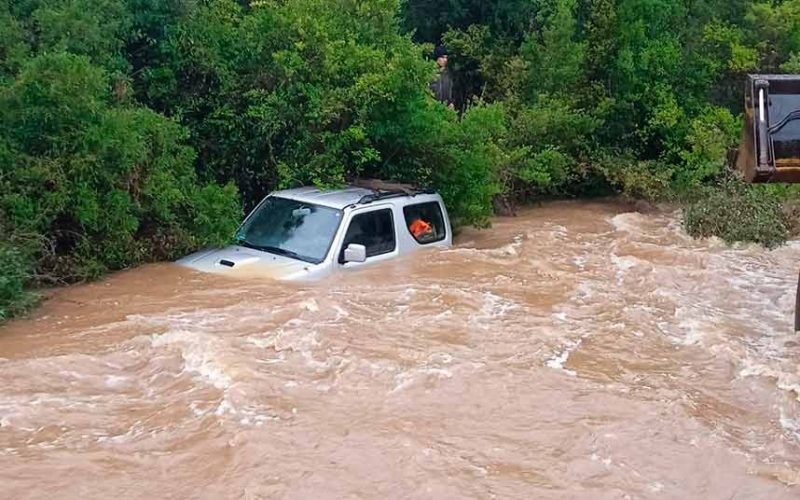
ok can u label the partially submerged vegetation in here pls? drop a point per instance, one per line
(136, 130)
(738, 212)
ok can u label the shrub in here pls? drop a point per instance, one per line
(635, 179)
(99, 186)
(15, 273)
(467, 176)
(736, 212)
(711, 135)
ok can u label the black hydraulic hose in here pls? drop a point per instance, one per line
(794, 115)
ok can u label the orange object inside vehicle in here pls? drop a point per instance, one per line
(419, 227)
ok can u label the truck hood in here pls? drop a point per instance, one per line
(243, 262)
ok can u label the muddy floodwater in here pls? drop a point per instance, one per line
(579, 350)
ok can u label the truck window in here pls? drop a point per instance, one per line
(374, 230)
(425, 222)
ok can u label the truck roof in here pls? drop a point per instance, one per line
(338, 198)
(341, 198)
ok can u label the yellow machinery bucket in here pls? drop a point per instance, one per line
(770, 147)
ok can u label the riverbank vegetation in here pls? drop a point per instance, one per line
(136, 130)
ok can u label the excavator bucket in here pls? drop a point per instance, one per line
(770, 147)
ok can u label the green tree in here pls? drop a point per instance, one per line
(91, 186)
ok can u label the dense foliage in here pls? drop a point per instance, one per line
(639, 96)
(721, 210)
(134, 130)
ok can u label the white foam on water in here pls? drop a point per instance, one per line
(136, 430)
(785, 381)
(400, 310)
(628, 222)
(116, 381)
(340, 313)
(406, 379)
(558, 230)
(498, 254)
(493, 306)
(330, 363)
(196, 410)
(407, 294)
(297, 339)
(440, 357)
(557, 361)
(447, 313)
(225, 407)
(605, 461)
(310, 305)
(623, 265)
(198, 353)
(265, 342)
(205, 365)
(510, 250)
(695, 331)
(792, 425)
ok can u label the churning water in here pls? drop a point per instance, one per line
(576, 351)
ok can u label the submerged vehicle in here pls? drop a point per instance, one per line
(307, 233)
(770, 148)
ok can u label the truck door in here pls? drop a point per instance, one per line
(374, 228)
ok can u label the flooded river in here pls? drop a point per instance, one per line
(579, 350)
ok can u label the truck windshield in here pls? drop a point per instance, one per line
(291, 228)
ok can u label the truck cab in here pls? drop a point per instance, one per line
(308, 233)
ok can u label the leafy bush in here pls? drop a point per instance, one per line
(711, 135)
(289, 93)
(14, 276)
(735, 212)
(104, 186)
(467, 177)
(636, 179)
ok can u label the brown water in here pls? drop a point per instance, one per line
(577, 351)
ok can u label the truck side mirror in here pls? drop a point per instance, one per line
(355, 253)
